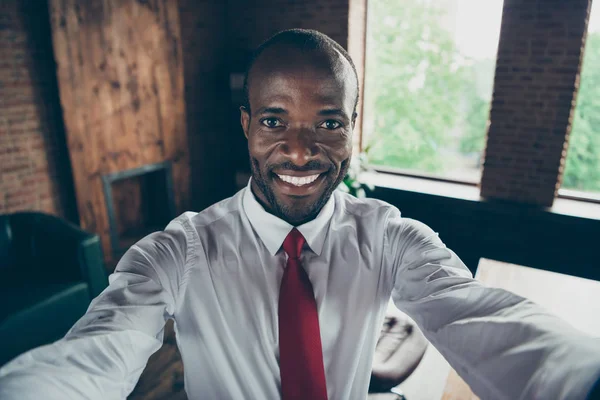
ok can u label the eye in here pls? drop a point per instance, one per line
(271, 122)
(330, 124)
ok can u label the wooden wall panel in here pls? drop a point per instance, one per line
(120, 74)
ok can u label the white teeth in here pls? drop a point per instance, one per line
(297, 180)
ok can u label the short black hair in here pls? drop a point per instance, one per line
(304, 39)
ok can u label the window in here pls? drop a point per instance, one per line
(582, 170)
(428, 84)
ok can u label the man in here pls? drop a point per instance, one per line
(280, 291)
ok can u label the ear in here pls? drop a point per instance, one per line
(245, 120)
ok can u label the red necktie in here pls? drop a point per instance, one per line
(300, 352)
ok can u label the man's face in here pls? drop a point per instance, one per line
(299, 129)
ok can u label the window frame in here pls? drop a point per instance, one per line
(578, 195)
(420, 175)
(361, 137)
(561, 193)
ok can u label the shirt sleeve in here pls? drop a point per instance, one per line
(104, 353)
(502, 345)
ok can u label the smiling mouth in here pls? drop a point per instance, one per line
(299, 185)
(298, 180)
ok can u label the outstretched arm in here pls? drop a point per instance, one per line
(502, 345)
(105, 352)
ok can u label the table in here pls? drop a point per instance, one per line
(571, 298)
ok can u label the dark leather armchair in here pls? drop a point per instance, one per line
(50, 270)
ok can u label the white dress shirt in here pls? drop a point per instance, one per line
(217, 274)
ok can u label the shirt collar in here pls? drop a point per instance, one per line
(273, 230)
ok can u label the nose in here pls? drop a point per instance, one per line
(300, 146)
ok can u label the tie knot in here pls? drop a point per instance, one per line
(293, 243)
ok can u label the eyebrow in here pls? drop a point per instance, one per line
(271, 110)
(333, 111)
(283, 111)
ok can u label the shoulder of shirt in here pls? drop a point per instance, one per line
(183, 231)
(364, 207)
(211, 214)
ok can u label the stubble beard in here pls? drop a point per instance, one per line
(294, 215)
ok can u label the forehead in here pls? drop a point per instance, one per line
(301, 78)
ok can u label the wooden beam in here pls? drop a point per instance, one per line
(120, 75)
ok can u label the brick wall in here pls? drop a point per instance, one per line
(251, 22)
(539, 58)
(34, 165)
